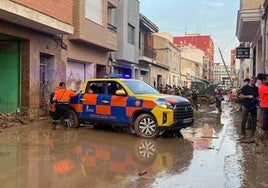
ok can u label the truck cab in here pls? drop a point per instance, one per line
(205, 92)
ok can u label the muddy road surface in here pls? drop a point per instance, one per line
(209, 154)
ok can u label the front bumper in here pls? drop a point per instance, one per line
(183, 123)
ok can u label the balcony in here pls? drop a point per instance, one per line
(248, 23)
(147, 53)
(249, 20)
(112, 28)
(99, 34)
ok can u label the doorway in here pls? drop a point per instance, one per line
(46, 79)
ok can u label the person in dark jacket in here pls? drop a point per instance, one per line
(219, 98)
(194, 96)
(249, 94)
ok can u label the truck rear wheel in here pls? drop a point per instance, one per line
(74, 119)
(146, 127)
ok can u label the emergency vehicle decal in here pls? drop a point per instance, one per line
(78, 107)
(137, 103)
(110, 107)
(118, 101)
(91, 99)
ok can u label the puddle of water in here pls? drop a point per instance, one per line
(40, 157)
(216, 158)
(206, 156)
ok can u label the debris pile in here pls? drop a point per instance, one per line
(11, 119)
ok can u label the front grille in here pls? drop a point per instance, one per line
(182, 111)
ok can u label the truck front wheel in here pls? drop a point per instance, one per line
(146, 127)
(74, 119)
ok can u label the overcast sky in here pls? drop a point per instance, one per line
(216, 18)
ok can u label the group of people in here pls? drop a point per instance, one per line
(254, 96)
(218, 94)
(172, 90)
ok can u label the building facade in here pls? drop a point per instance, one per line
(93, 39)
(44, 43)
(170, 55)
(41, 45)
(193, 65)
(30, 40)
(203, 42)
(161, 67)
(222, 75)
(127, 23)
(251, 32)
(147, 53)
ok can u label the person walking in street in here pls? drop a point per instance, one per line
(62, 98)
(194, 96)
(219, 98)
(249, 94)
(263, 117)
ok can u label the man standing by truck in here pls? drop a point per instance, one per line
(62, 98)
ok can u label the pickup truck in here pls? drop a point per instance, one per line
(131, 103)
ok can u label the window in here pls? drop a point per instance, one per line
(113, 87)
(130, 34)
(93, 10)
(95, 88)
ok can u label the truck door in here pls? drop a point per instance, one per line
(118, 103)
(89, 101)
(113, 106)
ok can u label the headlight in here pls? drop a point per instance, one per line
(163, 104)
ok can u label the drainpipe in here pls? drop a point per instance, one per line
(264, 33)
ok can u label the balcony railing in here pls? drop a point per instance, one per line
(112, 27)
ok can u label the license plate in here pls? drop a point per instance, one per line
(187, 120)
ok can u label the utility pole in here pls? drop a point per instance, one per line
(231, 80)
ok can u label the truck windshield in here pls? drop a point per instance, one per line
(139, 87)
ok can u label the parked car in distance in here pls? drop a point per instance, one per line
(131, 103)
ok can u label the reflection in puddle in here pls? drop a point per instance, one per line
(216, 157)
(205, 156)
(91, 158)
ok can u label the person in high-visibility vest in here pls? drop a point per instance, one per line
(62, 98)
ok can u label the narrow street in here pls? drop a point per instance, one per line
(210, 154)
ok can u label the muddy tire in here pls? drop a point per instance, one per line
(204, 101)
(146, 127)
(74, 119)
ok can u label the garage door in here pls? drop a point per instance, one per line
(9, 76)
(77, 73)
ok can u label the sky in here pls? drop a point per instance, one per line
(216, 18)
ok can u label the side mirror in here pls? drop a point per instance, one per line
(120, 92)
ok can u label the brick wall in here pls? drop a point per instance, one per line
(59, 9)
